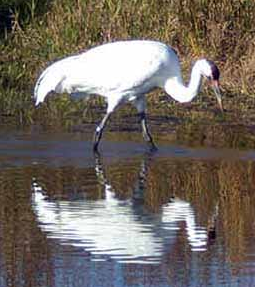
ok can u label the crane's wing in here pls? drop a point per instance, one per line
(127, 67)
(121, 66)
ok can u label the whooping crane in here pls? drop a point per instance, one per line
(125, 71)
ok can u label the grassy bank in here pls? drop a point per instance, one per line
(37, 32)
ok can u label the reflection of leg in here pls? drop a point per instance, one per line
(146, 134)
(99, 168)
(99, 131)
(211, 226)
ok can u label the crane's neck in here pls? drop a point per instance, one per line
(181, 93)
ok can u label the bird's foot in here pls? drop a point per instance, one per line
(152, 147)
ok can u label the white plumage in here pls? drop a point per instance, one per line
(124, 71)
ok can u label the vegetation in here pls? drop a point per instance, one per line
(35, 33)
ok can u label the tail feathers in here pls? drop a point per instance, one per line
(49, 81)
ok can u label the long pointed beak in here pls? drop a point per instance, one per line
(216, 89)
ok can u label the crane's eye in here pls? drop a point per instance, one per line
(215, 73)
(209, 78)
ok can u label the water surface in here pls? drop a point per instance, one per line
(183, 216)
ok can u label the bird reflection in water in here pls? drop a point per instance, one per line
(123, 230)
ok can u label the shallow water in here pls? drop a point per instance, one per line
(183, 216)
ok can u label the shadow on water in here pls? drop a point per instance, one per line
(179, 217)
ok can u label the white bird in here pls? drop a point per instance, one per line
(125, 71)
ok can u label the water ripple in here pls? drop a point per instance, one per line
(111, 227)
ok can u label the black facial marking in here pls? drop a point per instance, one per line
(215, 71)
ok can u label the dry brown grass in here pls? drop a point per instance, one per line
(222, 31)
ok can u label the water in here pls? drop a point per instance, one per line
(183, 216)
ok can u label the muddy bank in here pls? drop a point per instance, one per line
(199, 123)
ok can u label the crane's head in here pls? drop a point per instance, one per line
(211, 72)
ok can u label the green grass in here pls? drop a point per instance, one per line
(45, 30)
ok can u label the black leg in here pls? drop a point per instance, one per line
(99, 132)
(146, 134)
